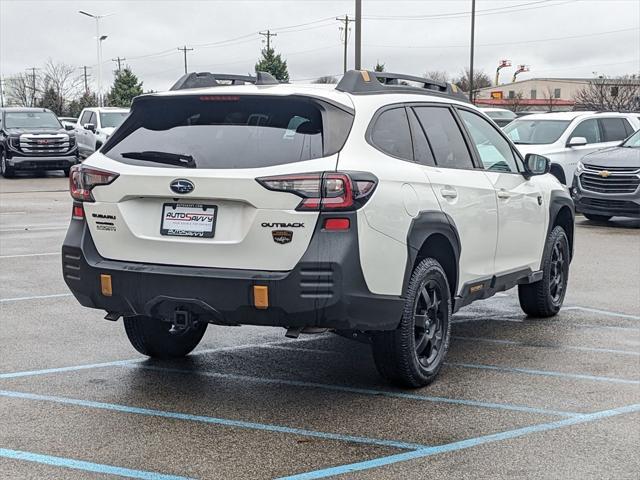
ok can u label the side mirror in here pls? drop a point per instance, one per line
(68, 127)
(535, 164)
(89, 126)
(576, 142)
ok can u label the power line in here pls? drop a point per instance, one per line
(118, 60)
(184, 50)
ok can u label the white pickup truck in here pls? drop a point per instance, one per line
(95, 125)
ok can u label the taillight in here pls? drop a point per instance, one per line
(333, 191)
(78, 211)
(82, 179)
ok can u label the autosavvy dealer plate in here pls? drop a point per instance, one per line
(188, 220)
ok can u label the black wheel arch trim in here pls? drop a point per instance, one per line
(559, 200)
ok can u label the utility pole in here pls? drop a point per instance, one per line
(346, 29)
(358, 34)
(268, 34)
(184, 50)
(86, 82)
(99, 40)
(118, 60)
(33, 85)
(473, 26)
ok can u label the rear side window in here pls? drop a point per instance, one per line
(391, 133)
(421, 149)
(445, 137)
(589, 130)
(230, 131)
(613, 129)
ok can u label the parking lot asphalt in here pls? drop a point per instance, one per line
(518, 398)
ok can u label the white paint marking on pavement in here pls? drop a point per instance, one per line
(30, 255)
(604, 312)
(35, 297)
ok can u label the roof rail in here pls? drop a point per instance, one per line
(207, 79)
(360, 82)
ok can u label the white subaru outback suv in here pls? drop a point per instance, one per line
(373, 209)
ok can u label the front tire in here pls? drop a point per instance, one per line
(155, 338)
(597, 218)
(5, 170)
(412, 355)
(544, 298)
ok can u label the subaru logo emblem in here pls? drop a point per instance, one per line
(182, 186)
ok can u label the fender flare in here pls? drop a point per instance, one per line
(558, 200)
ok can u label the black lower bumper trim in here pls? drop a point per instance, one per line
(326, 289)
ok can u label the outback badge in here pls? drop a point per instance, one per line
(282, 236)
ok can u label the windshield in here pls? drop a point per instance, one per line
(229, 131)
(112, 119)
(535, 132)
(633, 141)
(31, 120)
(499, 114)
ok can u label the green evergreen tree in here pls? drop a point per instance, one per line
(51, 101)
(125, 87)
(379, 67)
(273, 64)
(87, 100)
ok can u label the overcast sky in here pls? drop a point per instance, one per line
(407, 36)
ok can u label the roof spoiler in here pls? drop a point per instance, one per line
(368, 82)
(207, 79)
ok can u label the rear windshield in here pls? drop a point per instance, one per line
(230, 131)
(535, 132)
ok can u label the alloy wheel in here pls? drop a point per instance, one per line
(429, 323)
(557, 274)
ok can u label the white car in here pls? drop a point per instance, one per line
(566, 137)
(501, 116)
(94, 125)
(369, 208)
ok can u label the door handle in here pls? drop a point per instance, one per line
(448, 193)
(503, 194)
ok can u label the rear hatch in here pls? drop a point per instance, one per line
(186, 191)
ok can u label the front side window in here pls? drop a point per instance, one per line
(229, 131)
(391, 133)
(535, 132)
(112, 119)
(613, 129)
(589, 130)
(31, 120)
(445, 138)
(495, 152)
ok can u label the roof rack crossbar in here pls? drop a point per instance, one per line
(367, 82)
(208, 79)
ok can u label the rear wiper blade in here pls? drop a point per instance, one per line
(169, 158)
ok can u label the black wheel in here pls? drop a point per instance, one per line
(413, 354)
(597, 218)
(544, 297)
(5, 170)
(159, 339)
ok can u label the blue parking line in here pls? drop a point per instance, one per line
(546, 373)
(29, 373)
(361, 391)
(85, 466)
(461, 445)
(546, 345)
(603, 312)
(212, 420)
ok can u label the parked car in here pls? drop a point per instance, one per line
(34, 139)
(501, 116)
(95, 125)
(69, 123)
(607, 182)
(566, 137)
(369, 208)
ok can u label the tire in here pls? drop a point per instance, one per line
(544, 298)
(597, 218)
(5, 170)
(401, 356)
(152, 337)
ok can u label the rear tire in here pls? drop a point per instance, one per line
(5, 170)
(597, 218)
(544, 298)
(412, 355)
(152, 337)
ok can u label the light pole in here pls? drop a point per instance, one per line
(99, 40)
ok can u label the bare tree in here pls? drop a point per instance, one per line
(326, 79)
(480, 80)
(438, 76)
(620, 94)
(19, 90)
(515, 103)
(549, 96)
(64, 80)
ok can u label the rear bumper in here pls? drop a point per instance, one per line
(326, 289)
(611, 205)
(20, 162)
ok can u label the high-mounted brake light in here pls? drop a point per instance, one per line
(82, 179)
(334, 191)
